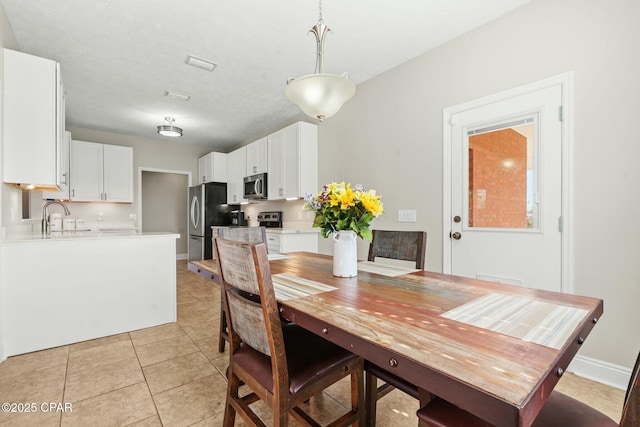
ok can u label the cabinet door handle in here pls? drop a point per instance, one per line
(64, 178)
(73, 193)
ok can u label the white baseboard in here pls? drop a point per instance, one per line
(186, 256)
(603, 372)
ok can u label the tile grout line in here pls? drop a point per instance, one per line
(64, 387)
(145, 380)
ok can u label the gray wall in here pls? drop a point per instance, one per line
(389, 137)
(164, 205)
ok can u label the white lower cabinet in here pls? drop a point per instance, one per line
(101, 172)
(292, 241)
(107, 285)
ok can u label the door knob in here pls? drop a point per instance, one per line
(456, 235)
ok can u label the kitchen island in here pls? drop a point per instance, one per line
(63, 288)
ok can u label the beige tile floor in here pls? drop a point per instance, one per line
(172, 375)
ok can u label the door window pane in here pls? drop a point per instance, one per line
(501, 186)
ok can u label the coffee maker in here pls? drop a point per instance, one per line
(238, 219)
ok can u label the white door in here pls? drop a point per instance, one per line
(506, 190)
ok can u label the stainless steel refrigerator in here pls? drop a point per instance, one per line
(207, 207)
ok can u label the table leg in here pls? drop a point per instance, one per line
(424, 397)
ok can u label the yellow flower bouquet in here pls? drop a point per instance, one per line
(339, 207)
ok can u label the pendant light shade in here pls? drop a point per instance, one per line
(320, 95)
(170, 129)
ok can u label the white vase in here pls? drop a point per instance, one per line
(345, 254)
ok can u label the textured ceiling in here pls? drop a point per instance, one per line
(118, 57)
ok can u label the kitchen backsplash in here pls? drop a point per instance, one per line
(294, 216)
(124, 216)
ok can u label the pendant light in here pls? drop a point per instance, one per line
(170, 129)
(320, 95)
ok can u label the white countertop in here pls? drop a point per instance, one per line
(85, 235)
(293, 230)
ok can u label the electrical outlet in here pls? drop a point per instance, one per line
(406, 215)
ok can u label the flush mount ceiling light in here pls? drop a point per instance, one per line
(170, 129)
(320, 95)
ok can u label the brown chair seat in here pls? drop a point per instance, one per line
(560, 410)
(309, 357)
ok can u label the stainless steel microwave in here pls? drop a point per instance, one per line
(255, 186)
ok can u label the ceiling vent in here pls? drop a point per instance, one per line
(177, 95)
(200, 63)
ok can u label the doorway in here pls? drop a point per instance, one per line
(507, 168)
(162, 204)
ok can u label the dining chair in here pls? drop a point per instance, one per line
(560, 410)
(282, 364)
(240, 234)
(400, 245)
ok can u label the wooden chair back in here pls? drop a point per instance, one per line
(239, 234)
(244, 234)
(258, 355)
(400, 245)
(252, 311)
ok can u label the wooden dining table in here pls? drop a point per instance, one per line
(493, 349)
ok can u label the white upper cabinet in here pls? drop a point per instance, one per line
(64, 170)
(236, 168)
(101, 172)
(212, 168)
(257, 157)
(86, 171)
(293, 161)
(33, 121)
(117, 178)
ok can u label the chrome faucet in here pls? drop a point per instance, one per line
(45, 222)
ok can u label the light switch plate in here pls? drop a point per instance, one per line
(406, 215)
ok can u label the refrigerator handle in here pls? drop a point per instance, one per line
(195, 212)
